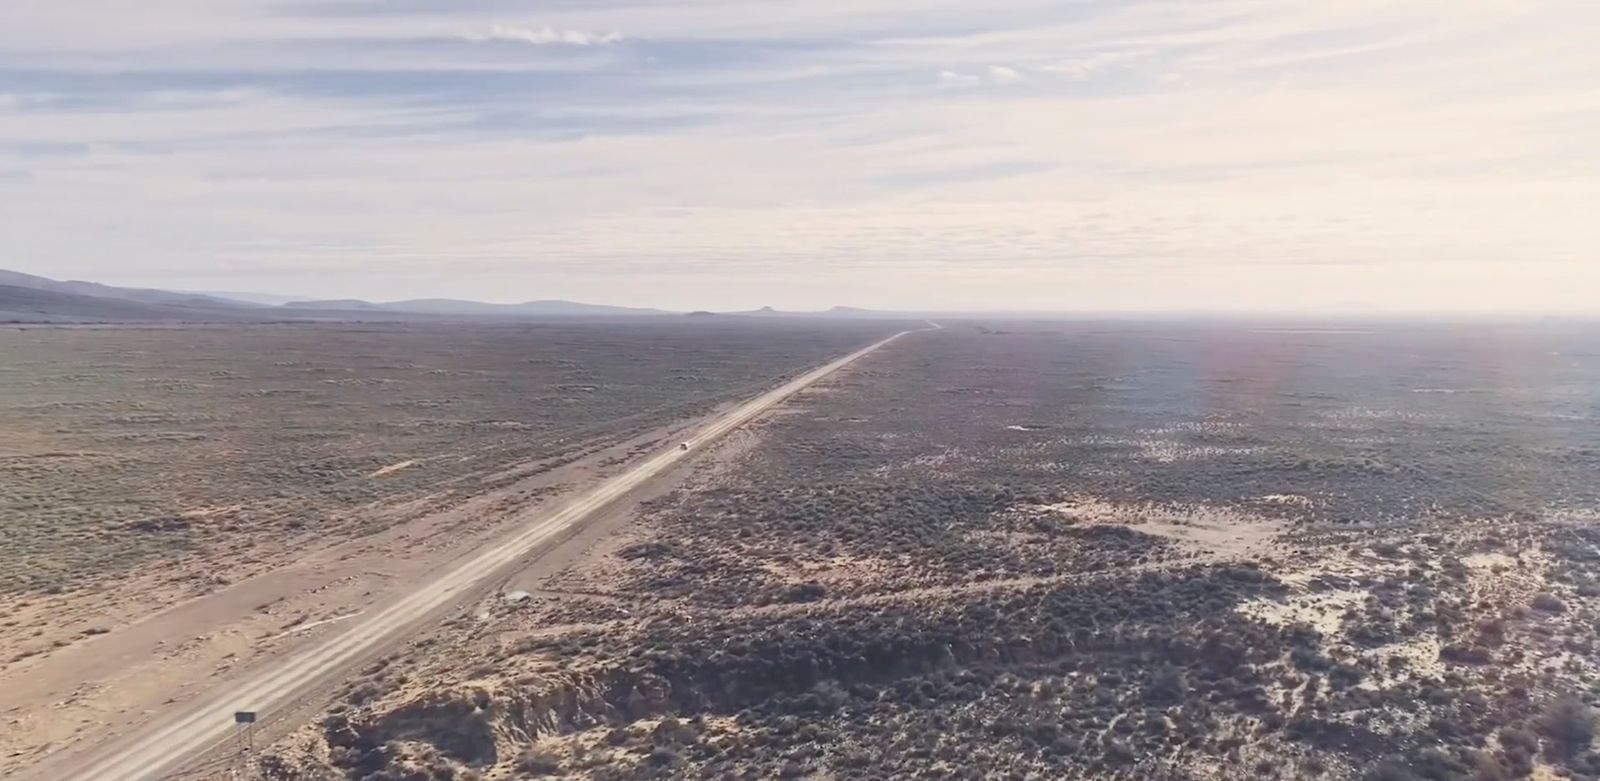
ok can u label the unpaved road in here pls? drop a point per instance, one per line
(170, 741)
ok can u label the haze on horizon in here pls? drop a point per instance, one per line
(1237, 155)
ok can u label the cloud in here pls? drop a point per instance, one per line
(543, 36)
(1087, 67)
(953, 79)
(1425, 157)
(994, 74)
(1000, 74)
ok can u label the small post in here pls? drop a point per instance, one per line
(248, 719)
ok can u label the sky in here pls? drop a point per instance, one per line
(1367, 156)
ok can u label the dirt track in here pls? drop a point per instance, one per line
(169, 741)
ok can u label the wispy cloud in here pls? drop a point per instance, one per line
(1087, 67)
(953, 79)
(543, 36)
(993, 74)
(1236, 154)
(1000, 74)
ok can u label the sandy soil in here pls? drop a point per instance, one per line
(183, 659)
(113, 657)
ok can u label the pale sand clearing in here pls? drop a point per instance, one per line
(392, 468)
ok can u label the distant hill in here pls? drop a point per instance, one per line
(97, 290)
(77, 301)
(260, 299)
(32, 298)
(336, 304)
(457, 308)
(34, 305)
(838, 311)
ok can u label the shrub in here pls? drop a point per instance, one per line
(1487, 767)
(1391, 770)
(1460, 653)
(539, 763)
(1548, 603)
(1568, 726)
(1166, 686)
(663, 757)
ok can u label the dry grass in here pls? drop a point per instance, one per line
(1070, 551)
(126, 446)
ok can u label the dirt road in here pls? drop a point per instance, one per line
(169, 741)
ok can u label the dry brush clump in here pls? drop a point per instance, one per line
(131, 445)
(856, 690)
(1029, 552)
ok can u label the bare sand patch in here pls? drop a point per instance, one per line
(1323, 611)
(1199, 527)
(392, 468)
(1420, 655)
(1289, 500)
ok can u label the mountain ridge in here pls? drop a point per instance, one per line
(98, 290)
(75, 301)
(20, 304)
(37, 299)
(460, 307)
